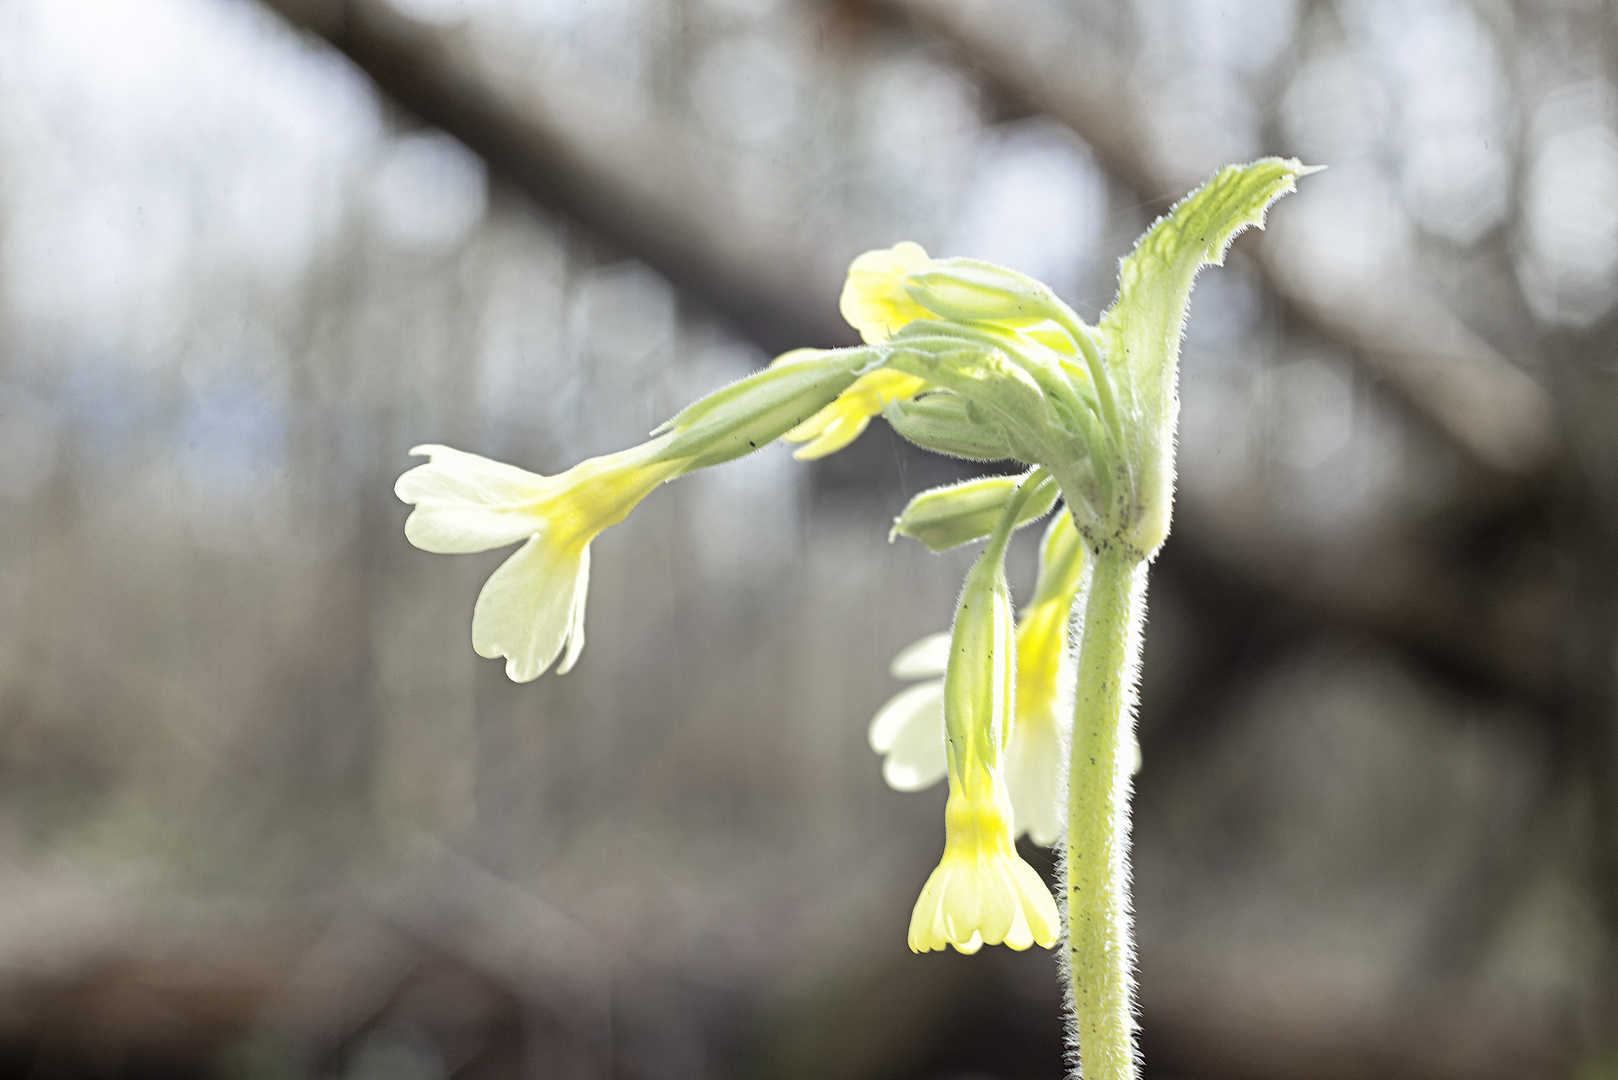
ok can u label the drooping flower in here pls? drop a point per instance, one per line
(908, 730)
(982, 892)
(533, 605)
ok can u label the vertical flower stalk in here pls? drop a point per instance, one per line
(1101, 958)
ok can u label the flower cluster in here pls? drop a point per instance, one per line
(965, 358)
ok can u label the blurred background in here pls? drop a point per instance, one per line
(265, 815)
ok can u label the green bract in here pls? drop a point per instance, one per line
(1140, 334)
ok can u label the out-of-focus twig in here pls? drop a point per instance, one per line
(555, 132)
(578, 148)
(1405, 336)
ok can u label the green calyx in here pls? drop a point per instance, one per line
(946, 517)
(950, 424)
(753, 412)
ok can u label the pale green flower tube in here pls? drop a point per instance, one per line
(982, 892)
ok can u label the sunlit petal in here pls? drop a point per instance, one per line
(468, 503)
(575, 635)
(917, 758)
(874, 299)
(925, 659)
(528, 607)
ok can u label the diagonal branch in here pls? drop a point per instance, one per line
(576, 147)
(1499, 416)
(559, 136)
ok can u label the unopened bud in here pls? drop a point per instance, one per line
(949, 424)
(973, 291)
(947, 517)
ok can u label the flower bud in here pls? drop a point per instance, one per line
(974, 291)
(949, 424)
(947, 517)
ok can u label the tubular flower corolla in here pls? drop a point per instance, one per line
(1037, 757)
(533, 605)
(982, 892)
(841, 422)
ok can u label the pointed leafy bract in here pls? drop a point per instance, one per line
(1141, 332)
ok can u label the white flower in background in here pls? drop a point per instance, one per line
(909, 730)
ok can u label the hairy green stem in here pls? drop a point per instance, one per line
(1101, 946)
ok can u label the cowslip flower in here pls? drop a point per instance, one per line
(909, 730)
(533, 605)
(1037, 758)
(982, 892)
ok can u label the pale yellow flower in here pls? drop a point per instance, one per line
(875, 301)
(533, 605)
(982, 892)
(1036, 760)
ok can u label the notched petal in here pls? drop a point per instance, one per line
(467, 503)
(529, 607)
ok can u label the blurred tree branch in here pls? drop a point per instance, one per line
(577, 149)
(563, 141)
(1500, 417)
